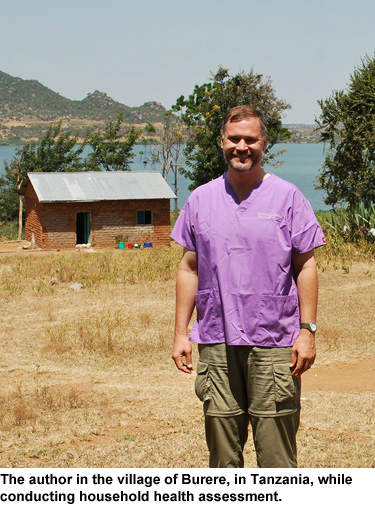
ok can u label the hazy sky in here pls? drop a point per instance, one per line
(144, 50)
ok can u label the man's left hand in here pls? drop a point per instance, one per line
(303, 353)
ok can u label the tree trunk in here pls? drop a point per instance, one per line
(20, 202)
(175, 192)
(20, 218)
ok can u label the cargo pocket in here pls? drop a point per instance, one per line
(202, 382)
(285, 389)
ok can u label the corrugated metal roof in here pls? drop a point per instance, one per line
(97, 186)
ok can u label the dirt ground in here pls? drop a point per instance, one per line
(341, 377)
(12, 246)
(9, 247)
(337, 377)
(119, 412)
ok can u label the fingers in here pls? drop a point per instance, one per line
(182, 355)
(303, 354)
(189, 361)
(181, 365)
(300, 363)
(302, 367)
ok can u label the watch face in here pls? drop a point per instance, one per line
(313, 327)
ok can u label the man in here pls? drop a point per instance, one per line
(248, 266)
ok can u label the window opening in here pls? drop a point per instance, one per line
(144, 218)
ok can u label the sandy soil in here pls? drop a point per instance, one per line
(98, 416)
(9, 247)
(12, 246)
(339, 377)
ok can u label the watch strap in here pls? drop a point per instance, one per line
(311, 326)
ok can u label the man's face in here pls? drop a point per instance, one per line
(243, 144)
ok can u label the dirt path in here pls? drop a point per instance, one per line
(11, 246)
(341, 377)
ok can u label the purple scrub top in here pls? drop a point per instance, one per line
(247, 293)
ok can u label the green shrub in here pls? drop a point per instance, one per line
(8, 231)
(350, 235)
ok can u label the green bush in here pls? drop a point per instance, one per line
(351, 224)
(8, 231)
(350, 235)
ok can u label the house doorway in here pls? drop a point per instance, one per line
(83, 228)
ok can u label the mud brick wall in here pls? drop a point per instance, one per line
(33, 223)
(54, 224)
(112, 218)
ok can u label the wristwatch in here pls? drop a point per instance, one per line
(311, 326)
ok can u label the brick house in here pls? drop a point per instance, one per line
(63, 209)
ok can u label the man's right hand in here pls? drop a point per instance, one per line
(182, 353)
(186, 289)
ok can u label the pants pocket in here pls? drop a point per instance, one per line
(202, 382)
(285, 389)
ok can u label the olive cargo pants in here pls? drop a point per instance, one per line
(242, 384)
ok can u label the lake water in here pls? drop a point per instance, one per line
(301, 164)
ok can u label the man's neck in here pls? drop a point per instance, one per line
(243, 184)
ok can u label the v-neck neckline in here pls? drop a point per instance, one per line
(241, 207)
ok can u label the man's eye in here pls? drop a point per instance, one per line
(248, 141)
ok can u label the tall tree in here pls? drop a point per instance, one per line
(203, 112)
(57, 151)
(10, 204)
(347, 125)
(112, 148)
(166, 148)
(60, 151)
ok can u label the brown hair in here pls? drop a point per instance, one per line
(243, 112)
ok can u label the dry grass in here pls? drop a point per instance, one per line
(87, 379)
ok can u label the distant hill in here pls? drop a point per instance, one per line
(303, 133)
(27, 108)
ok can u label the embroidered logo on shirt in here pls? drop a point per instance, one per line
(269, 216)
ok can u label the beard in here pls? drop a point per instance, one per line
(235, 162)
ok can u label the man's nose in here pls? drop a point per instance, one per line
(241, 146)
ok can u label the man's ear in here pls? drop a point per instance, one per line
(265, 143)
(222, 140)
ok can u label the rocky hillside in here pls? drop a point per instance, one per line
(303, 133)
(27, 107)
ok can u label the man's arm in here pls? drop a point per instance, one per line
(186, 289)
(304, 351)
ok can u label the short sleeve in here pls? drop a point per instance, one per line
(306, 231)
(183, 231)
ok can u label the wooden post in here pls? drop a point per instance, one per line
(20, 207)
(20, 218)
